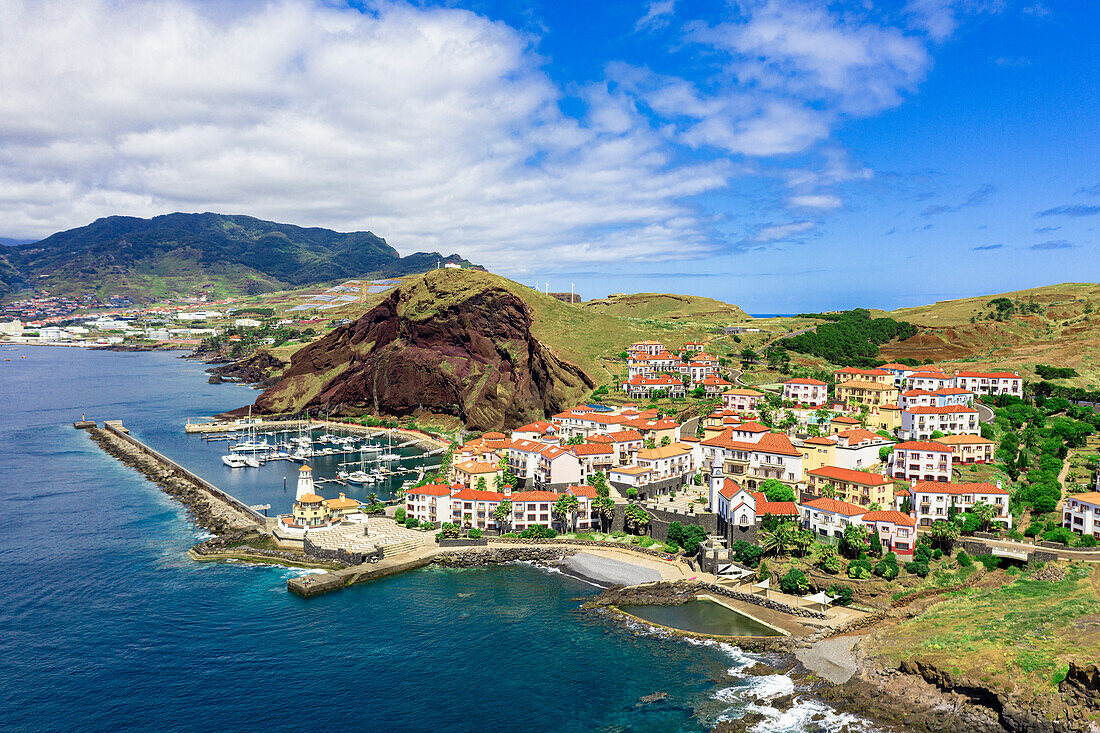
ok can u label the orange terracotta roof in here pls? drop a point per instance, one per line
(836, 506)
(665, 451)
(845, 419)
(431, 490)
(933, 410)
(1090, 497)
(624, 436)
(775, 508)
(963, 440)
(590, 449)
(479, 495)
(851, 475)
(739, 392)
(477, 467)
(753, 427)
(858, 435)
(806, 380)
(939, 487)
(922, 445)
(523, 496)
(861, 384)
(729, 488)
(819, 441)
(581, 490)
(891, 516)
(991, 375)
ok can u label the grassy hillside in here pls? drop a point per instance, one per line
(188, 254)
(1057, 325)
(683, 308)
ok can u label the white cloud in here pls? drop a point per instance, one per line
(657, 15)
(778, 232)
(435, 128)
(815, 201)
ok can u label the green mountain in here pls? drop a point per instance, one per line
(186, 254)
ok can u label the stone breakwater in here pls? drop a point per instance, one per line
(207, 510)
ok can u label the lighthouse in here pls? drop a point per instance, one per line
(305, 483)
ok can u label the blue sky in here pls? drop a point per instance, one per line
(777, 154)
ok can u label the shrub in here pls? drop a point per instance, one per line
(448, 530)
(859, 569)
(747, 553)
(427, 525)
(841, 594)
(671, 549)
(963, 559)
(538, 531)
(1058, 534)
(646, 541)
(922, 553)
(687, 536)
(776, 490)
(411, 522)
(399, 515)
(886, 570)
(632, 493)
(991, 562)
(1086, 541)
(937, 554)
(794, 582)
(917, 568)
(475, 533)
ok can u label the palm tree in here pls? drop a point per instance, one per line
(565, 508)
(605, 508)
(944, 534)
(372, 498)
(828, 491)
(780, 540)
(636, 517)
(503, 514)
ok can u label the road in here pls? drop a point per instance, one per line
(985, 413)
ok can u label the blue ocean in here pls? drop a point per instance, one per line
(107, 625)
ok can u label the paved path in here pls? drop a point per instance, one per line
(985, 414)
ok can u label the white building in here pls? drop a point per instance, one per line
(827, 518)
(932, 500)
(11, 328)
(994, 383)
(806, 391)
(751, 457)
(741, 399)
(247, 322)
(930, 380)
(921, 461)
(918, 423)
(1081, 513)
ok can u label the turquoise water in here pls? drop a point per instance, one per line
(702, 617)
(108, 626)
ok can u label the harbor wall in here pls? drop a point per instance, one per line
(119, 432)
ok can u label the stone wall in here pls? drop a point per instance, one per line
(503, 555)
(339, 554)
(583, 543)
(657, 488)
(462, 542)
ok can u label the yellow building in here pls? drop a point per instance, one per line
(885, 417)
(469, 473)
(855, 487)
(341, 507)
(817, 452)
(310, 511)
(867, 393)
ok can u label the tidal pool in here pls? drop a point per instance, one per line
(702, 616)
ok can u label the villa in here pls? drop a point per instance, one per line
(1081, 513)
(933, 500)
(827, 518)
(921, 461)
(854, 487)
(895, 530)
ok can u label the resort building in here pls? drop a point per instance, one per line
(932, 501)
(691, 347)
(935, 398)
(968, 448)
(994, 383)
(700, 367)
(540, 430)
(593, 458)
(643, 387)
(742, 400)
(625, 445)
(806, 391)
(858, 448)
(1081, 513)
(900, 372)
(879, 376)
(827, 518)
(430, 503)
(817, 452)
(896, 531)
(652, 348)
(866, 392)
(840, 423)
(476, 474)
(854, 487)
(713, 385)
(918, 423)
(554, 466)
(921, 461)
(885, 417)
(929, 380)
(750, 457)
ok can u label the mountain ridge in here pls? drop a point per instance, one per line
(185, 253)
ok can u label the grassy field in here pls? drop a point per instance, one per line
(1018, 635)
(666, 307)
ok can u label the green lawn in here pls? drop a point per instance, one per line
(1019, 634)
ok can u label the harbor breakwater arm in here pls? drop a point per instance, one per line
(210, 507)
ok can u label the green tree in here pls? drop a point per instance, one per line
(854, 540)
(636, 518)
(828, 491)
(481, 485)
(503, 515)
(943, 534)
(794, 582)
(606, 509)
(565, 509)
(776, 490)
(666, 441)
(983, 514)
(781, 540)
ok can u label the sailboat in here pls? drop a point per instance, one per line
(389, 455)
(252, 445)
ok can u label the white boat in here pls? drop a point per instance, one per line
(252, 446)
(359, 478)
(251, 461)
(389, 457)
(234, 461)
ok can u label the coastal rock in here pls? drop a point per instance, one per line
(255, 368)
(544, 556)
(741, 725)
(652, 698)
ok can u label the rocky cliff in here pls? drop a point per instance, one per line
(453, 342)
